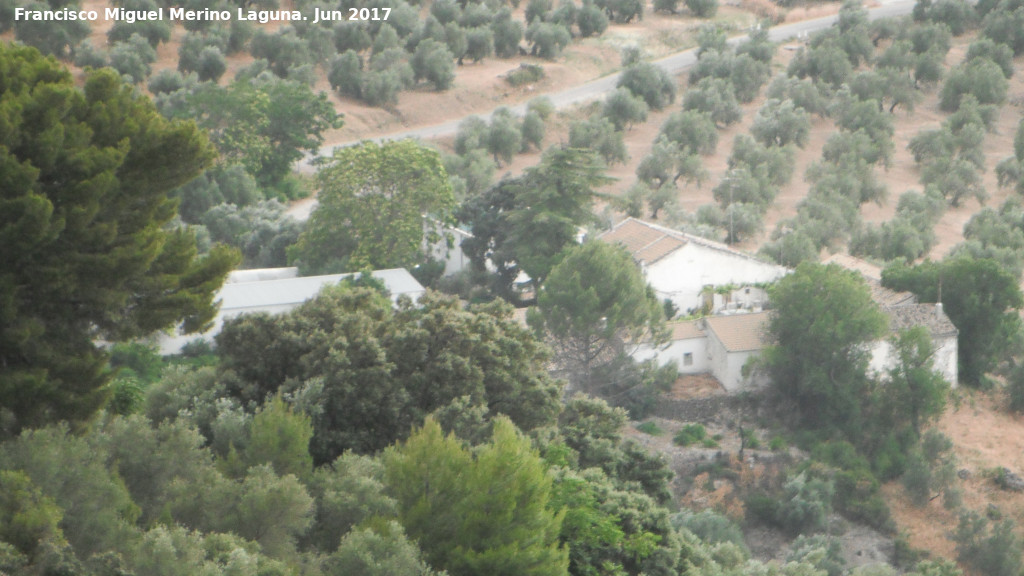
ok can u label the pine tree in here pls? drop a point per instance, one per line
(84, 182)
(482, 515)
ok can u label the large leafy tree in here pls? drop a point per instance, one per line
(595, 301)
(266, 123)
(367, 373)
(375, 200)
(483, 513)
(86, 251)
(523, 224)
(980, 297)
(823, 317)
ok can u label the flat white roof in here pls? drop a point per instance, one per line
(238, 296)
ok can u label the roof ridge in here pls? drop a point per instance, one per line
(687, 237)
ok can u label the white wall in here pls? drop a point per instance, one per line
(452, 256)
(682, 275)
(944, 358)
(677, 350)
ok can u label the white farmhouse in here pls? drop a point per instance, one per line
(722, 345)
(733, 341)
(718, 345)
(279, 290)
(687, 346)
(692, 271)
(905, 312)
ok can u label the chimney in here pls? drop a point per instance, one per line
(938, 309)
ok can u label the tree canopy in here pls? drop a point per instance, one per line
(482, 513)
(87, 253)
(824, 315)
(367, 373)
(981, 299)
(595, 301)
(375, 204)
(265, 123)
(524, 223)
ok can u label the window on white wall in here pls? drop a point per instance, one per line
(687, 358)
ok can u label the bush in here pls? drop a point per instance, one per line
(711, 527)
(525, 74)
(703, 8)
(761, 508)
(992, 552)
(824, 553)
(917, 480)
(690, 434)
(804, 506)
(651, 428)
(750, 439)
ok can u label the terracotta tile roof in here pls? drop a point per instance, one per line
(649, 243)
(740, 332)
(931, 316)
(886, 297)
(646, 242)
(873, 276)
(684, 330)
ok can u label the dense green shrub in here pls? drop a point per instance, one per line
(804, 505)
(690, 434)
(711, 527)
(525, 74)
(703, 8)
(994, 551)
